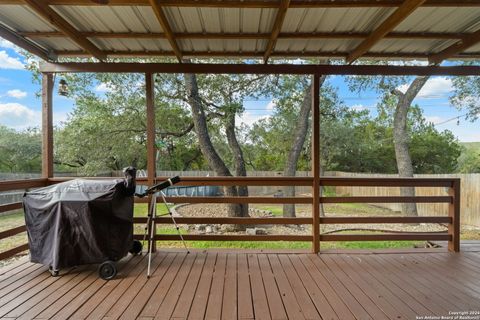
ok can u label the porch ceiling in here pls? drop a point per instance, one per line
(434, 30)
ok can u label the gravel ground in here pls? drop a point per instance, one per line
(221, 210)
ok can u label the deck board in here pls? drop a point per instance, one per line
(182, 307)
(247, 285)
(277, 309)
(200, 300)
(259, 295)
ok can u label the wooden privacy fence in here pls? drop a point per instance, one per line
(470, 188)
(452, 199)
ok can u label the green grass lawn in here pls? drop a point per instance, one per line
(286, 244)
(280, 244)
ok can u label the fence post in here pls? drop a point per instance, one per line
(454, 214)
(316, 163)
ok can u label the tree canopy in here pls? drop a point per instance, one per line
(107, 130)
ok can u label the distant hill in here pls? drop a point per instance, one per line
(471, 145)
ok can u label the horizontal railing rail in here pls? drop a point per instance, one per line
(12, 232)
(413, 236)
(451, 221)
(10, 207)
(289, 181)
(231, 237)
(226, 220)
(383, 220)
(10, 185)
(265, 200)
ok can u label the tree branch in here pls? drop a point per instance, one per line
(78, 165)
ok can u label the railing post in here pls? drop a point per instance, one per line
(151, 152)
(47, 125)
(316, 163)
(454, 214)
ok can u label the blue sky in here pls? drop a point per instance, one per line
(20, 107)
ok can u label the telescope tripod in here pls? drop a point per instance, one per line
(152, 215)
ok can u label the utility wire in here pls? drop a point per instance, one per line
(456, 118)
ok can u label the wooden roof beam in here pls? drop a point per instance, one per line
(277, 26)
(162, 19)
(400, 14)
(253, 54)
(456, 48)
(260, 69)
(50, 15)
(261, 3)
(26, 44)
(249, 36)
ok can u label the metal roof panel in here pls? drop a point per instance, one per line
(334, 19)
(110, 19)
(22, 18)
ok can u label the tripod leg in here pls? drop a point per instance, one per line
(174, 222)
(153, 214)
(149, 218)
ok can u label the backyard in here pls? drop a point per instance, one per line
(16, 219)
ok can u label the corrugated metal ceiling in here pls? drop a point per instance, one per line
(210, 20)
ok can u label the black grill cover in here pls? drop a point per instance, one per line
(79, 222)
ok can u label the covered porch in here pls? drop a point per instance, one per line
(388, 30)
(243, 284)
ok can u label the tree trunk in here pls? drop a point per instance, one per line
(301, 130)
(204, 141)
(401, 140)
(239, 161)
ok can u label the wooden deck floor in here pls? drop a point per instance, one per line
(222, 285)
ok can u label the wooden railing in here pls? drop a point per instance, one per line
(452, 220)
(10, 186)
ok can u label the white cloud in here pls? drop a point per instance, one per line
(8, 45)
(103, 87)
(18, 94)
(438, 87)
(434, 119)
(249, 118)
(473, 137)
(358, 107)
(60, 118)
(18, 116)
(271, 105)
(7, 62)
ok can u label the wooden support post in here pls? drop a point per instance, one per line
(454, 213)
(316, 162)
(151, 150)
(47, 126)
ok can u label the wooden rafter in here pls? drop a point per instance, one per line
(456, 48)
(277, 26)
(262, 4)
(25, 44)
(400, 14)
(162, 19)
(250, 36)
(43, 9)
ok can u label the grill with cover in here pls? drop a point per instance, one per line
(82, 222)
